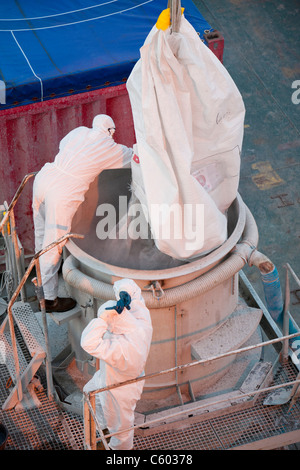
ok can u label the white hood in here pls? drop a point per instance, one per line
(102, 123)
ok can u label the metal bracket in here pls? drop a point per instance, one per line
(38, 289)
(156, 289)
(89, 304)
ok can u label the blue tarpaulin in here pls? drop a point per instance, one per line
(54, 49)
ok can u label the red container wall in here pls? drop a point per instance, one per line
(30, 135)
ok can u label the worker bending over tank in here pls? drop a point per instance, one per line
(59, 189)
(120, 337)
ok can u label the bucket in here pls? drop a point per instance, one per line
(3, 436)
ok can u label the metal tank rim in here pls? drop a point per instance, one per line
(200, 265)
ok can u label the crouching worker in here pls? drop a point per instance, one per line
(59, 188)
(120, 337)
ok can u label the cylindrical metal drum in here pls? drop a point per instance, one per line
(188, 301)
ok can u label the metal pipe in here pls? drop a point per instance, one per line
(294, 393)
(272, 290)
(10, 214)
(15, 198)
(10, 260)
(285, 328)
(14, 297)
(17, 252)
(92, 412)
(86, 424)
(261, 261)
(175, 14)
(15, 352)
(296, 278)
(36, 256)
(93, 423)
(50, 388)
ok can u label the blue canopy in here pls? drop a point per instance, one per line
(53, 49)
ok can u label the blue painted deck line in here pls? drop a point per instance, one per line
(262, 54)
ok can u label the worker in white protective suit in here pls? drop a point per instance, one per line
(120, 337)
(59, 189)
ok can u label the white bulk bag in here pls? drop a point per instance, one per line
(189, 119)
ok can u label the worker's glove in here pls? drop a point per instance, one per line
(123, 302)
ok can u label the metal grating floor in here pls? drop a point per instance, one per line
(50, 428)
(256, 424)
(224, 433)
(46, 427)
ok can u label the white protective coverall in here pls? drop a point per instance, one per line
(60, 186)
(122, 343)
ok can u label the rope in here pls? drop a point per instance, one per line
(175, 8)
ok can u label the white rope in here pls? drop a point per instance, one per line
(81, 21)
(175, 8)
(57, 14)
(27, 60)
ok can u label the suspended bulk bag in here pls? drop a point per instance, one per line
(189, 119)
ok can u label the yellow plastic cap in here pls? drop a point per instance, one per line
(164, 19)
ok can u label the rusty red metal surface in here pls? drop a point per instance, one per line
(30, 135)
(215, 42)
